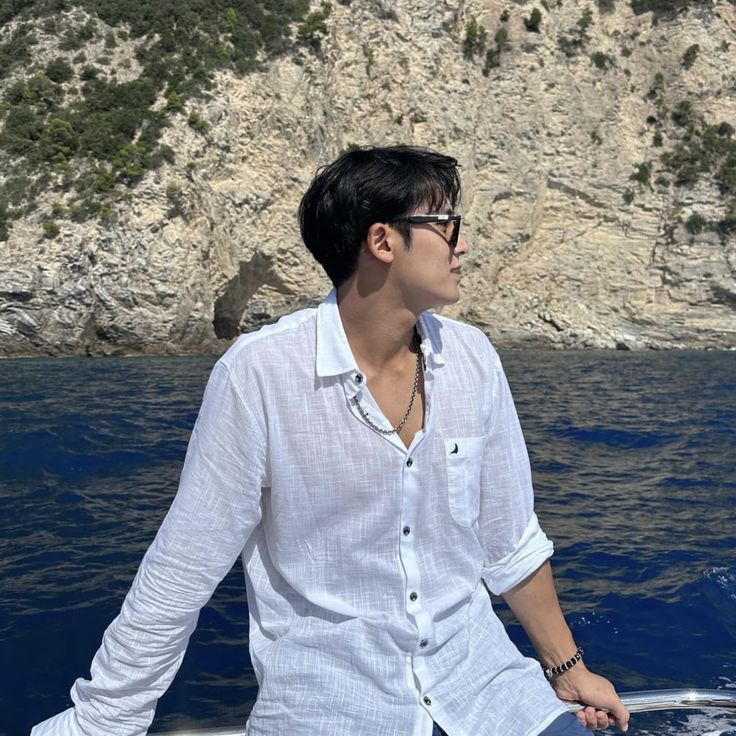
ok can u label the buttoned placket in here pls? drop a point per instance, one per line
(411, 498)
(356, 390)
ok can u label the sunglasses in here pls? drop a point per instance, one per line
(452, 222)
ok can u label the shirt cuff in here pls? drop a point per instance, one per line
(63, 724)
(532, 550)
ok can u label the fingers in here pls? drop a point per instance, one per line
(619, 715)
(594, 719)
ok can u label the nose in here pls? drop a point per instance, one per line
(463, 246)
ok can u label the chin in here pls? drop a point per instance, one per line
(444, 300)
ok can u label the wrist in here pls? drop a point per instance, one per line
(558, 669)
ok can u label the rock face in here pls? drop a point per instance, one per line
(566, 249)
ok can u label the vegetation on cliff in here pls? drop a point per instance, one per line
(695, 149)
(89, 85)
(70, 124)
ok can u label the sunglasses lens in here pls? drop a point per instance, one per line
(455, 234)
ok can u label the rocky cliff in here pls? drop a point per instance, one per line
(596, 146)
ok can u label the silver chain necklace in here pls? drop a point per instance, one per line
(414, 390)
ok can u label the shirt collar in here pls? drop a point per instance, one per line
(334, 357)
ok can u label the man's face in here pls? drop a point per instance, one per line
(430, 270)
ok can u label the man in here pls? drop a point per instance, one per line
(366, 461)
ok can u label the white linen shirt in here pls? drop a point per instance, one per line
(364, 559)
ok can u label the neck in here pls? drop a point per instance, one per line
(380, 331)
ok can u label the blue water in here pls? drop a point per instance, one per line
(633, 456)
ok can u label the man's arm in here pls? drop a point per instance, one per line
(517, 551)
(206, 528)
(534, 603)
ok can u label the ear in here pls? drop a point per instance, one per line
(380, 242)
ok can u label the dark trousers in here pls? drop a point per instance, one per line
(564, 725)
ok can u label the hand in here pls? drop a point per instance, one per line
(604, 707)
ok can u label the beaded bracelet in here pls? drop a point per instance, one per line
(550, 672)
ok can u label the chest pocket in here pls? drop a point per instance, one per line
(464, 456)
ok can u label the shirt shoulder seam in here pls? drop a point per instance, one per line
(243, 403)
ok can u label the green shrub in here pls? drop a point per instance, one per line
(88, 73)
(685, 162)
(683, 115)
(572, 41)
(474, 43)
(130, 163)
(726, 175)
(533, 22)
(4, 223)
(696, 223)
(314, 27)
(586, 20)
(196, 121)
(492, 61)
(76, 37)
(370, 56)
(661, 8)
(691, 53)
(493, 54)
(505, 15)
(174, 103)
(88, 31)
(50, 229)
(601, 60)
(628, 196)
(727, 225)
(703, 149)
(605, 6)
(16, 51)
(59, 70)
(58, 141)
(501, 37)
(643, 173)
(22, 131)
(657, 139)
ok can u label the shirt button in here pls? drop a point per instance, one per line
(413, 597)
(409, 463)
(407, 531)
(423, 643)
(427, 700)
(358, 378)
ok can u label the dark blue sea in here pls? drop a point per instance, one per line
(633, 457)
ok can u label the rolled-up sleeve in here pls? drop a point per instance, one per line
(215, 510)
(514, 545)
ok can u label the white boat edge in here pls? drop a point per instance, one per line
(637, 701)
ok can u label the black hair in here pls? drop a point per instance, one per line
(369, 185)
